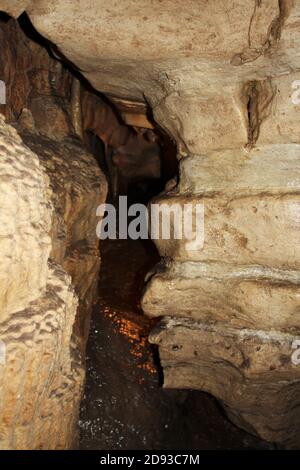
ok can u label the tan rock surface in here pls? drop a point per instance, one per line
(245, 297)
(41, 380)
(40, 376)
(49, 191)
(78, 187)
(25, 223)
(262, 170)
(261, 229)
(39, 102)
(218, 77)
(250, 371)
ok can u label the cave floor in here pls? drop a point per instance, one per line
(124, 406)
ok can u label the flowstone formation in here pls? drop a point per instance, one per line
(50, 187)
(41, 373)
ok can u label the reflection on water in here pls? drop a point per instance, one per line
(135, 337)
(124, 405)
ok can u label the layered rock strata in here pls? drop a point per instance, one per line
(221, 79)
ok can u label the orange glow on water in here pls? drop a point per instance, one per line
(136, 336)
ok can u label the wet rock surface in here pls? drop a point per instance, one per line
(125, 406)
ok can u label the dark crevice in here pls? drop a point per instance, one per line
(259, 96)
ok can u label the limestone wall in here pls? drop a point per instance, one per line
(41, 374)
(219, 78)
(50, 186)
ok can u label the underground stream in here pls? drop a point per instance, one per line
(124, 405)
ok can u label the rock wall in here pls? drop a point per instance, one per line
(50, 186)
(231, 309)
(41, 373)
(39, 102)
(220, 78)
(78, 186)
